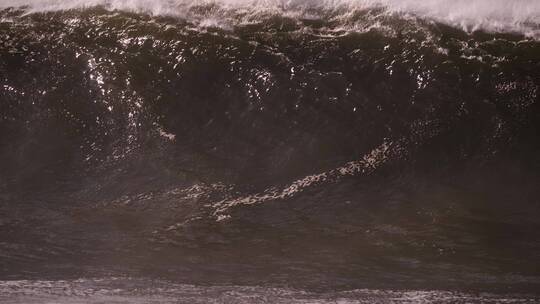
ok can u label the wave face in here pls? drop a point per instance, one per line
(328, 145)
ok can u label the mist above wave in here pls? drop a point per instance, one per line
(522, 16)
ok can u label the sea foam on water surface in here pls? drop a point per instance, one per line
(521, 16)
(133, 290)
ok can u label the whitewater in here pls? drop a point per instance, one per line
(521, 16)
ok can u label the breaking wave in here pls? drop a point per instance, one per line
(491, 15)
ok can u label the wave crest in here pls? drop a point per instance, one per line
(519, 16)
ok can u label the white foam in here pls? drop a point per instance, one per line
(491, 15)
(140, 290)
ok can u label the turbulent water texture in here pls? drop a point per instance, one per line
(495, 15)
(129, 290)
(321, 146)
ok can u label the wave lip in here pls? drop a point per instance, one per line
(519, 16)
